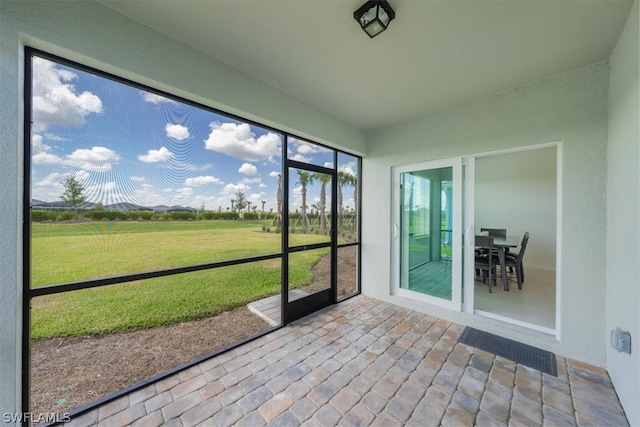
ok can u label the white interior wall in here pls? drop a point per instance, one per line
(623, 227)
(517, 191)
(88, 32)
(571, 108)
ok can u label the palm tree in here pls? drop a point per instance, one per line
(324, 180)
(354, 182)
(263, 203)
(232, 205)
(344, 178)
(305, 178)
(279, 201)
(342, 181)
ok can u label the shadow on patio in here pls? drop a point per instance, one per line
(366, 362)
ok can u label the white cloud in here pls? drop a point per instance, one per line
(155, 156)
(54, 137)
(301, 158)
(301, 151)
(177, 132)
(348, 168)
(154, 99)
(274, 174)
(45, 159)
(178, 196)
(48, 188)
(263, 185)
(37, 146)
(183, 197)
(251, 180)
(255, 198)
(99, 159)
(51, 187)
(202, 180)
(210, 202)
(248, 169)
(82, 176)
(231, 189)
(306, 148)
(55, 99)
(296, 197)
(238, 141)
(146, 195)
(40, 150)
(110, 186)
(135, 178)
(184, 192)
(104, 192)
(328, 165)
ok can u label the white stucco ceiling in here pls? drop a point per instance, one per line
(435, 54)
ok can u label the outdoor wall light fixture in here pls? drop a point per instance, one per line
(374, 16)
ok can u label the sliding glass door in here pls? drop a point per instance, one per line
(427, 232)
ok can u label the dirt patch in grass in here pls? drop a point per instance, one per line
(70, 372)
(347, 277)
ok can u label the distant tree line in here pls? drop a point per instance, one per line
(39, 215)
(241, 208)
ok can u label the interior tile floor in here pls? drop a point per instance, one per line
(534, 304)
(366, 362)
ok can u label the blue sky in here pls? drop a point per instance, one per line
(127, 145)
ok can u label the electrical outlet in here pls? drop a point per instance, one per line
(621, 341)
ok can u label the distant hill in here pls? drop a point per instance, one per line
(35, 203)
(122, 207)
(163, 208)
(125, 207)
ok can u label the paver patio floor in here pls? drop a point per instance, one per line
(367, 362)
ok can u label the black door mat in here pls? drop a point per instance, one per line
(527, 355)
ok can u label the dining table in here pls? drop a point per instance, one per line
(500, 243)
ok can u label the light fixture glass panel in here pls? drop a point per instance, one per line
(368, 16)
(383, 16)
(374, 28)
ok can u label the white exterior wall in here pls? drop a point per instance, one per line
(571, 108)
(95, 35)
(623, 228)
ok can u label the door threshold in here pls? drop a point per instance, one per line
(511, 321)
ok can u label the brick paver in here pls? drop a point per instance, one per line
(367, 362)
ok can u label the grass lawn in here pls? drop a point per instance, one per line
(70, 252)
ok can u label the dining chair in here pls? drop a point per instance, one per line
(485, 263)
(514, 260)
(496, 232)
